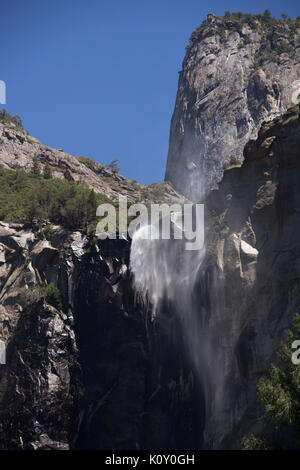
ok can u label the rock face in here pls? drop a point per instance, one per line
(139, 389)
(97, 373)
(18, 149)
(248, 290)
(39, 381)
(237, 72)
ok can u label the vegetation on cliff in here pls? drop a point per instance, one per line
(113, 165)
(263, 23)
(49, 292)
(28, 197)
(9, 119)
(280, 395)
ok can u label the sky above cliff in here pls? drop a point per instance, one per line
(99, 77)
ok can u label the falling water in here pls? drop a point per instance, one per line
(165, 271)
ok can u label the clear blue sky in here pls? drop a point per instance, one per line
(99, 77)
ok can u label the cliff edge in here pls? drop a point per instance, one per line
(239, 70)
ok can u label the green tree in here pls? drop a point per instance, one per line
(20, 179)
(47, 172)
(284, 16)
(254, 443)
(91, 206)
(113, 165)
(238, 15)
(32, 208)
(25, 198)
(7, 118)
(52, 295)
(280, 390)
(36, 171)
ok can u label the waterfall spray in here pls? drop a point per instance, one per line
(165, 271)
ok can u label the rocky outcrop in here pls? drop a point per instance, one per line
(39, 380)
(248, 290)
(18, 150)
(238, 71)
(95, 374)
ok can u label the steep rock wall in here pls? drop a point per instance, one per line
(248, 289)
(96, 374)
(235, 75)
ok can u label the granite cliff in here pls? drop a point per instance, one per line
(238, 71)
(249, 287)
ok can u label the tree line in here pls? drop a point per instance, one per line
(32, 197)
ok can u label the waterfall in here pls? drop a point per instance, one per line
(165, 271)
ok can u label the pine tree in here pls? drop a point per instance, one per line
(36, 171)
(280, 391)
(33, 210)
(113, 165)
(92, 205)
(47, 172)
